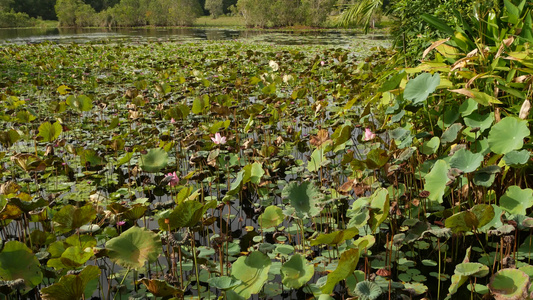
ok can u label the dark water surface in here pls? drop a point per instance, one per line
(70, 35)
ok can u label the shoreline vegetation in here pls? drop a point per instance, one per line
(220, 22)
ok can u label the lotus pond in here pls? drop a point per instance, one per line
(244, 170)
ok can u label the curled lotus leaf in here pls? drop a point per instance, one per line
(160, 288)
(296, 272)
(252, 271)
(71, 286)
(509, 284)
(472, 269)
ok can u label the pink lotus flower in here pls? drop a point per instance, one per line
(174, 180)
(218, 139)
(120, 223)
(172, 121)
(322, 63)
(369, 135)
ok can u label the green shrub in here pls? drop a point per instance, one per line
(13, 19)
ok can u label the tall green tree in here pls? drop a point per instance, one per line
(215, 7)
(5, 5)
(36, 8)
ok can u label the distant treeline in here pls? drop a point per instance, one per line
(126, 13)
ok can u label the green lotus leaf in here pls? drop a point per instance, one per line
(431, 146)
(91, 157)
(379, 208)
(317, 159)
(134, 247)
(377, 158)
(418, 89)
(71, 287)
(346, 266)
(9, 137)
(27, 206)
(509, 284)
(256, 172)
(186, 214)
(342, 134)
(252, 271)
(17, 261)
(517, 200)
(478, 288)
(304, 198)
(199, 104)
(457, 281)
(75, 257)
(472, 269)
(296, 272)
(467, 107)
(367, 290)
(271, 217)
(393, 82)
(136, 212)
(508, 135)
(484, 214)
(50, 132)
(153, 161)
(450, 134)
(436, 181)
(71, 217)
(80, 103)
(482, 122)
(415, 288)
(514, 158)
(160, 288)
(335, 238)
(223, 282)
(462, 222)
(485, 176)
(466, 161)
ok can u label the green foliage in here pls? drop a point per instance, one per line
(15, 19)
(215, 7)
(74, 13)
(276, 13)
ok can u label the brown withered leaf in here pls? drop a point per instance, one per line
(319, 139)
(347, 186)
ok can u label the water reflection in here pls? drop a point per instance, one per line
(70, 35)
